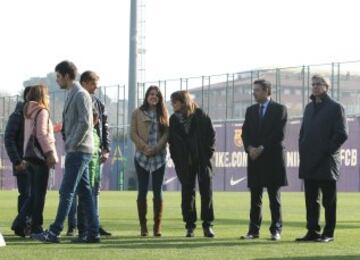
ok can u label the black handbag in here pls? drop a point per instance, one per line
(33, 151)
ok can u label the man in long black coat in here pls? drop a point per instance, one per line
(263, 134)
(323, 131)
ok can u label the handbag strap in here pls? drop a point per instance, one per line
(35, 119)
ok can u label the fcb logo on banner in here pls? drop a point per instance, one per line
(237, 137)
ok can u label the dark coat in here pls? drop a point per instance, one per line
(102, 128)
(323, 131)
(199, 143)
(269, 169)
(14, 135)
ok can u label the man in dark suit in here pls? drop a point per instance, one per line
(323, 131)
(263, 134)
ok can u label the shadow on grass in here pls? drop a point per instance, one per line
(131, 242)
(346, 257)
(295, 224)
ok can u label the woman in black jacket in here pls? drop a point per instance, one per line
(191, 140)
(14, 139)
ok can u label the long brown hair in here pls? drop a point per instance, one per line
(161, 109)
(185, 98)
(40, 94)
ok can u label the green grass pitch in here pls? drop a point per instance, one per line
(118, 215)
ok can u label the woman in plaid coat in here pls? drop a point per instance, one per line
(149, 132)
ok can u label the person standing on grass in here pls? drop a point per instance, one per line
(324, 129)
(149, 132)
(78, 135)
(37, 122)
(192, 140)
(94, 176)
(89, 81)
(14, 145)
(263, 135)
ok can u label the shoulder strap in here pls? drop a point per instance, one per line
(37, 114)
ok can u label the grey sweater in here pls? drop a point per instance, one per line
(78, 121)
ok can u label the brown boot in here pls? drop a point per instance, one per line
(158, 211)
(142, 210)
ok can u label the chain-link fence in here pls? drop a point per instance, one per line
(224, 97)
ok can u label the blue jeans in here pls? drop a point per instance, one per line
(72, 220)
(76, 178)
(143, 179)
(77, 217)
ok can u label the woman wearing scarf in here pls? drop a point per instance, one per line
(192, 140)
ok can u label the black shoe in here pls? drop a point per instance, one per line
(325, 239)
(84, 239)
(28, 231)
(208, 232)
(46, 237)
(93, 239)
(70, 232)
(103, 232)
(275, 236)
(79, 239)
(190, 232)
(310, 236)
(19, 231)
(250, 236)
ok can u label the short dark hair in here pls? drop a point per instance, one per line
(88, 76)
(265, 85)
(26, 91)
(67, 67)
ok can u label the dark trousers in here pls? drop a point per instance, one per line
(23, 189)
(312, 201)
(34, 204)
(143, 180)
(256, 209)
(188, 194)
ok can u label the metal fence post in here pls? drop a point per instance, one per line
(226, 97)
(338, 82)
(251, 87)
(278, 85)
(303, 88)
(308, 83)
(117, 130)
(208, 95)
(202, 91)
(233, 96)
(332, 79)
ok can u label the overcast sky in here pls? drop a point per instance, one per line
(183, 37)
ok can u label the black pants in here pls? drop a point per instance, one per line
(312, 200)
(256, 209)
(23, 189)
(34, 204)
(143, 181)
(188, 194)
